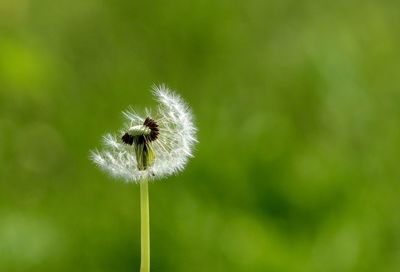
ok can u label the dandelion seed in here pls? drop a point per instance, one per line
(153, 146)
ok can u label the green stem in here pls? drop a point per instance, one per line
(145, 226)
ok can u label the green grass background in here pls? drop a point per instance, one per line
(297, 105)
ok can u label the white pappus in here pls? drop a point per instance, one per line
(153, 146)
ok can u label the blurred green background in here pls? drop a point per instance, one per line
(297, 105)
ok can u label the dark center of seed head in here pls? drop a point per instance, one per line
(141, 139)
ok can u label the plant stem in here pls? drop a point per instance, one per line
(144, 226)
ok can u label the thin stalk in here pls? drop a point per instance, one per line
(144, 226)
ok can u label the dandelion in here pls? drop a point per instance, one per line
(149, 147)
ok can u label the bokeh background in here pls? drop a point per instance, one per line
(297, 105)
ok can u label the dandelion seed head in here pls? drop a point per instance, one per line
(153, 146)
